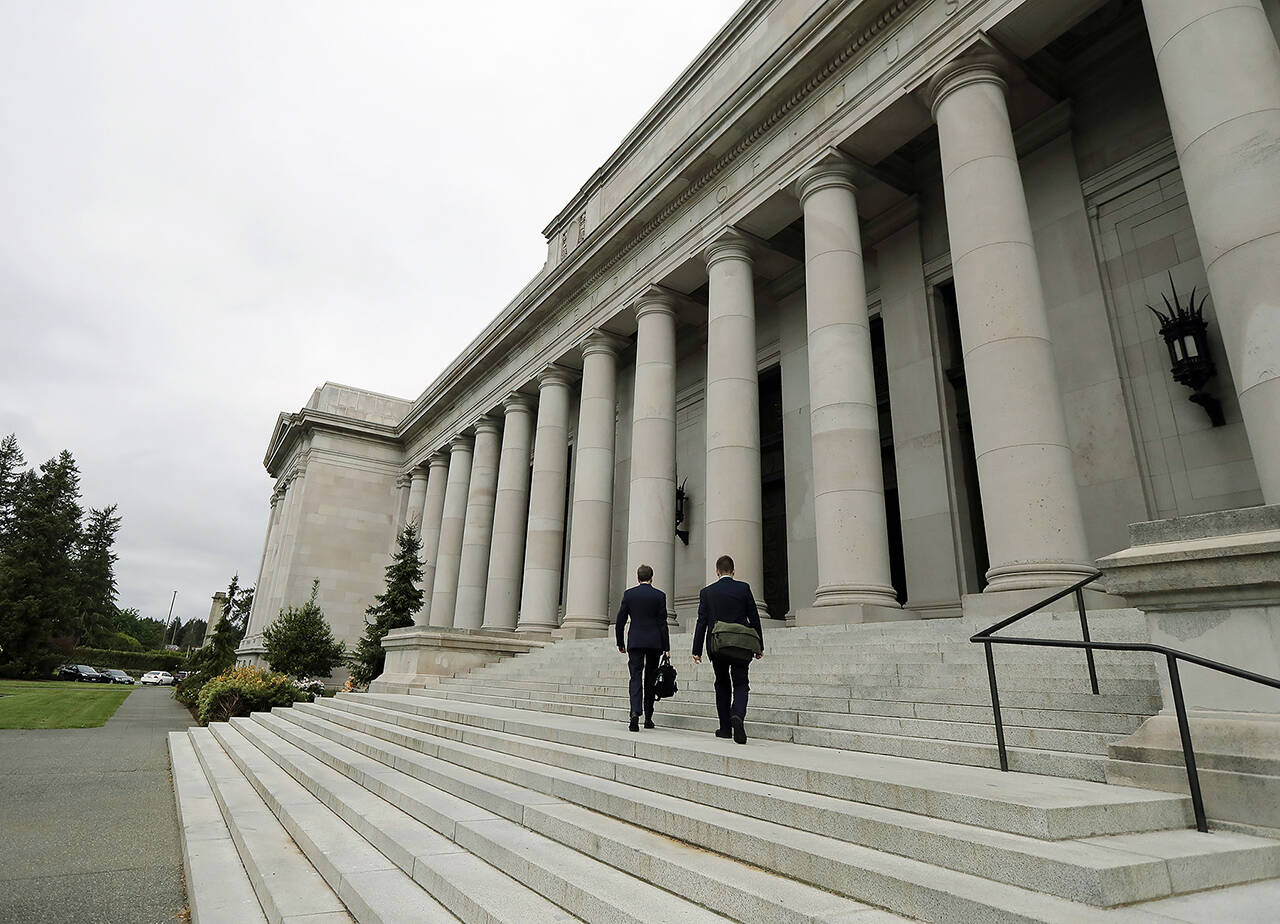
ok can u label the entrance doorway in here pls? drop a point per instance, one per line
(773, 494)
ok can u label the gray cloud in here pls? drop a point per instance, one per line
(209, 208)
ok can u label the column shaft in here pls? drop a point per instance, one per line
(453, 520)
(586, 598)
(544, 540)
(844, 420)
(1219, 70)
(733, 507)
(1030, 505)
(432, 516)
(473, 572)
(652, 505)
(510, 516)
(266, 570)
(417, 493)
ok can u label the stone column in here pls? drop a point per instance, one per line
(404, 483)
(453, 519)
(1035, 529)
(510, 516)
(1219, 71)
(844, 421)
(473, 572)
(266, 542)
(432, 515)
(651, 521)
(267, 568)
(586, 599)
(732, 509)
(284, 552)
(417, 492)
(544, 540)
(924, 495)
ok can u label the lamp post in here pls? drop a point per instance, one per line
(170, 616)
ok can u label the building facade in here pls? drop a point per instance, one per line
(862, 302)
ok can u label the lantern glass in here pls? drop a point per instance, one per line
(1189, 346)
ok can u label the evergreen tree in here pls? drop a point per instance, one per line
(192, 634)
(219, 655)
(12, 467)
(148, 632)
(95, 566)
(39, 602)
(394, 608)
(300, 643)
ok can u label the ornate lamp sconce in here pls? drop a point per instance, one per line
(1186, 334)
(682, 505)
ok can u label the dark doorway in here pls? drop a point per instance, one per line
(959, 425)
(889, 463)
(773, 494)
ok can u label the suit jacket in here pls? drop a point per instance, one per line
(725, 600)
(646, 606)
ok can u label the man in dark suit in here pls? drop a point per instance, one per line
(728, 600)
(646, 643)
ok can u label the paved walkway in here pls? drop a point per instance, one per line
(88, 827)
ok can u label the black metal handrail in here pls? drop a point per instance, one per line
(1172, 657)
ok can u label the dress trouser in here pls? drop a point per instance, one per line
(643, 661)
(731, 684)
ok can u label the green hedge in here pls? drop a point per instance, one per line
(137, 661)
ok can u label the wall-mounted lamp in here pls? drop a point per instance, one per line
(682, 502)
(1186, 334)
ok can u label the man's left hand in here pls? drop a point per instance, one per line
(621, 649)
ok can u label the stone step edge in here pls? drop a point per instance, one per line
(265, 835)
(1040, 761)
(732, 879)
(845, 867)
(477, 833)
(858, 772)
(1006, 858)
(218, 886)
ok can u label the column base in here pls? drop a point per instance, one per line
(582, 627)
(864, 594)
(934, 609)
(987, 608)
(1046, 576)
(833, 614)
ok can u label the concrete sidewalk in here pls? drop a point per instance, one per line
(88, 827)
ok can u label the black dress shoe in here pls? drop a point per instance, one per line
(635, 723)
(648, 722)
(739, 733)
(723, 733)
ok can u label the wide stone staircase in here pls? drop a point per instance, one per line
(867, 793)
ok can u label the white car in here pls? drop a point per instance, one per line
(159, 678)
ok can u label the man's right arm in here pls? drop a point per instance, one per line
(700, 630)
(623, 611)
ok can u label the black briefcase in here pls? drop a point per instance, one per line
(664, 685)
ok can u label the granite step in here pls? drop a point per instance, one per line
(1104, 871)
(286, 883)
(411, 777)
(1014, 802)
(218, 887)
(579, 884)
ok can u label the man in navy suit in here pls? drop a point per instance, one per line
(728, 600)
(646, 643)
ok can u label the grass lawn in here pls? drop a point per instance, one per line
(58, 704)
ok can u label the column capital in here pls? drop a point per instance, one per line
(461, 442)
(655, 300)
(599, 341)
(402, 480)
(983, 66)
(276, 495)
(418, 473)
(518, 402)
(438, 459)
(488, 424)
(554, 374)
(729, 244)
(832, 168)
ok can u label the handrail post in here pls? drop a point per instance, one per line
(995, 708)
(1188, 755)
(1084, 630)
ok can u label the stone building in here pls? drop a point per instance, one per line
(863, 297)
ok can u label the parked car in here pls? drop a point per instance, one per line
(182, 675)
(117, 675)
(159, 678)
(82, 672)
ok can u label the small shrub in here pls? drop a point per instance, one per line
(300, 643)
(187, 691)
(245, 690)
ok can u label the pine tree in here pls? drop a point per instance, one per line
(95, 566)
(394, 608)
(219, 656)
(39, 603)
(300, 643)
(12, 467)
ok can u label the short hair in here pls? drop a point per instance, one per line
(724, 565)
(644, 573)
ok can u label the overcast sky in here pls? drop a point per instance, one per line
(207, 209)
